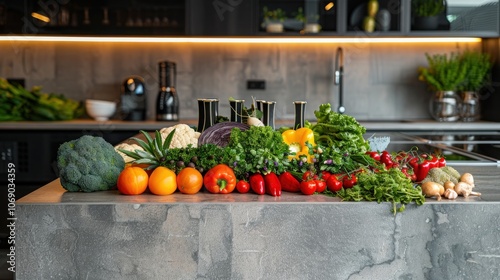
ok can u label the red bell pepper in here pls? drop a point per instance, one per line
(434, 162)
(220, 179)
(441, 162)
(272, 184)
(423, 169)
(257, 183)
(288, 182)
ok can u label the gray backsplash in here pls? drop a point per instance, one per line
(380, 82)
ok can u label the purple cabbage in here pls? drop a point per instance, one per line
(219, 133)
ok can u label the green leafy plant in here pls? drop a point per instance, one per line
(466, 71)
(427, 8)
(477, 66)
(273, 15)
(444, 73)
(300, 16)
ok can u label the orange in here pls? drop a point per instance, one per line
(132, 180)
(141, 165)
(162, 181)
(189, 180)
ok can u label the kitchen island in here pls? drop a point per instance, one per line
(105, 235)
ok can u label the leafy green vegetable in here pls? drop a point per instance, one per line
(384, 185)
(202, 157)
(341, 146)
(340, 132)
(258, 149)
(19, 104)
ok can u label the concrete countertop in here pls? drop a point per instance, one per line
(106, 235)
(375, 125)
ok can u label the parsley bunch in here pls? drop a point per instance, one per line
(259, 149)
(384, 185)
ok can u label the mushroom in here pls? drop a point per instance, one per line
(467, 178)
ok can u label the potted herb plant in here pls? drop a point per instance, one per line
(309, 22)
(273, 19)
(444, 75)
(477, 66)
(426, 13)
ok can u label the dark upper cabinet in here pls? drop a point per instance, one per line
(93, 17)
(222, 18)
(475, 18)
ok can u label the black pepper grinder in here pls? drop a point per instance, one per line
(167, 103)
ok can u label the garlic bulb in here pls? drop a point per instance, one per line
(450, 194)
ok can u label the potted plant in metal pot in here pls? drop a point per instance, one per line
(444, 75)
(477, 66)
(426, 13)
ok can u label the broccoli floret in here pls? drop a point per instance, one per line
(438, 175)
(453, 173)
(88, 164)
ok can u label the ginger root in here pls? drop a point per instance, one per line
(464, 189)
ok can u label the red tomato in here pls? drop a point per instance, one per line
(308, 187)
(386, 158)
(243, 186)
(374, 155)
(308, 175)
(333, 184)
(320, 186)
(325, 175)
(349, 181)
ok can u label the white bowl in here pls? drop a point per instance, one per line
(100, 110)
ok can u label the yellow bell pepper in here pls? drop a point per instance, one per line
(297, 139)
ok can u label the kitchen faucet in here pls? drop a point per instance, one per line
(339, 77)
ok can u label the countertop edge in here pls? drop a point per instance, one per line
(417, 125)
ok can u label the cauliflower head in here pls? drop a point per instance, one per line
(183, 137)
(88, 164)
(127, 147)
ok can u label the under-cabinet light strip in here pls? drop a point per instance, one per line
(265, 40)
